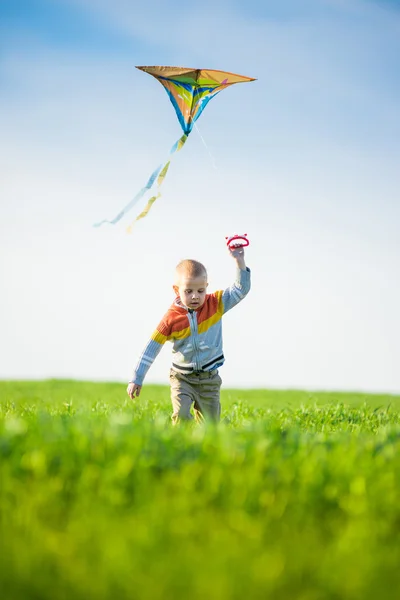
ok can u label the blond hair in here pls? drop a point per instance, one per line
(190, 268)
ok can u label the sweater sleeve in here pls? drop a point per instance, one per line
(159, 337)
(236, 292)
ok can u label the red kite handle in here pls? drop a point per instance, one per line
(237, 241)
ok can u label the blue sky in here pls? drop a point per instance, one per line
(307, 163)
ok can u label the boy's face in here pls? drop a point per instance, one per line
(192, 291)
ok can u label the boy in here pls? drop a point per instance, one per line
(193, 324)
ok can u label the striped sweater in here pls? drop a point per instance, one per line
(196, 335)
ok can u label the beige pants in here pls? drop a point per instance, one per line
(201, 390)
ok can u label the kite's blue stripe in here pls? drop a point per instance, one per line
(134, 200)
(204, 88)
(186, 127)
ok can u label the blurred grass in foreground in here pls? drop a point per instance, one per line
(294, 495)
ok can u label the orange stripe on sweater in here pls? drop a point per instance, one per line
(215, 313)
(210, 308)
(175, 324)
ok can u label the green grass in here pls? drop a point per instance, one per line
(295, 495)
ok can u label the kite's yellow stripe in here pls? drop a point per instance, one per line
(163, 173)
(144, 212)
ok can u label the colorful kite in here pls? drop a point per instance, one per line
(189, 90)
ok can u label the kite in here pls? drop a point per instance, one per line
(189, 90)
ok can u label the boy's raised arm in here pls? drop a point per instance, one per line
(241, 287)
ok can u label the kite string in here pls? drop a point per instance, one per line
(206, 147)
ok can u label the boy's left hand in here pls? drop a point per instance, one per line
(236, 252)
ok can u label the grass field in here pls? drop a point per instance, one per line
(295, 495)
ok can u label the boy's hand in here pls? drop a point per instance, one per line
(238, 255)
(133, 389)
(236, 251)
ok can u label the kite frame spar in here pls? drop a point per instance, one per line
(189, 91)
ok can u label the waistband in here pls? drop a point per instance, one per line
(197, 374)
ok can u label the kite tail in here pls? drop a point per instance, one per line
(134, 200)
(144, 212)
(150, 203)
(158, 175)
(175, 148)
